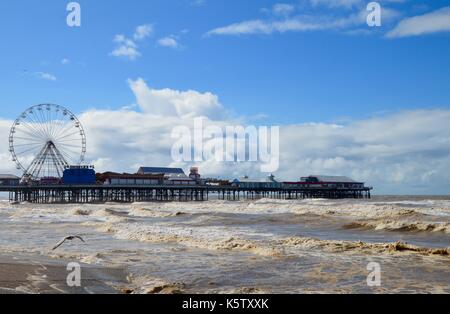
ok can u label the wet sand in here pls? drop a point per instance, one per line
(33, 274)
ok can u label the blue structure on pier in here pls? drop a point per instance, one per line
(79, 175)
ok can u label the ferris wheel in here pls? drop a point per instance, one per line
(45, 139)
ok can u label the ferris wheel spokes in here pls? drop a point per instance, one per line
(46, 139)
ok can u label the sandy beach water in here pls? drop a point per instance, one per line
(262, 246)
(27, 273)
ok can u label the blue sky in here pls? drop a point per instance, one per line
(293, 77)
(288, 63)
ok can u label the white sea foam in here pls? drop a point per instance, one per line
(211, 225)
(404, 225)
(361, 247)
(213, 237)
(356, 208)
(138, 211)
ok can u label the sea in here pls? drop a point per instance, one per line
(247, 246)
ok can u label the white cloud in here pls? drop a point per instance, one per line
(6, 164)
(337, 3)
(348, 4)
(121, 39)
(394, 150)
(169, 102)
(41, 75)
(143, 31)
(127, 47)
(283, 9)
(405, 152)
(262, 27)
(126, 51)
(295, 24)
(45, 76)
(433, 22)
(169, 42)
(284, 18)
(65, 61)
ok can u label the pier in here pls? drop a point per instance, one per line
(91, 194)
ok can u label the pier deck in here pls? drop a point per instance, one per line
(75, 194)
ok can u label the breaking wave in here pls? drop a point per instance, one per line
(351, 208)
(361, 247)
(408, 226)
(148, 212)
(208, 238)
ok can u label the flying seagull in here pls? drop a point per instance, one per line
(69, 238)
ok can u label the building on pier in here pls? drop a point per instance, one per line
(79, 175)
(267, 183)
(216, 182)
(172, 176)
(195, 175)
(328, 182)
(160, 170)
(9, 180)
(113, 178)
